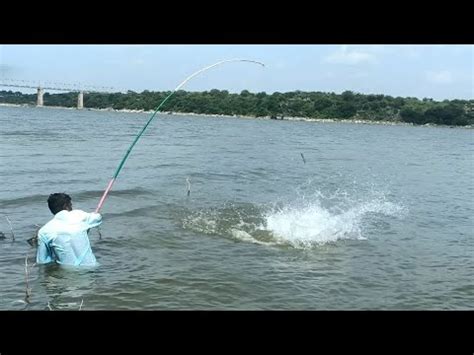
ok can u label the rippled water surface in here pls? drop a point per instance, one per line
(376, 217)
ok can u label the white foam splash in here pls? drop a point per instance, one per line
(246, 237)
(302, 224)
(310, 224)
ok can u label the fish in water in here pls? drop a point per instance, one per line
(302, 156)
(2, 235)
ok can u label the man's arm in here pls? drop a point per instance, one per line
(43, 254)
(93, 219)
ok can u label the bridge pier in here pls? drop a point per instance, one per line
(39, 97)
(80, 100)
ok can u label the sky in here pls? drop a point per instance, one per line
(423, 71)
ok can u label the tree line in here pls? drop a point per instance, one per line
(348, 105)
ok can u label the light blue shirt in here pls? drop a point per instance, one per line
(64, 239)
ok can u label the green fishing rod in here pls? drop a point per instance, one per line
(129, 150)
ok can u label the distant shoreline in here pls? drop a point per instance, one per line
(304, 119)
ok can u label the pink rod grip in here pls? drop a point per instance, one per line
(102, 199)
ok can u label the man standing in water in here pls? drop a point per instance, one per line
(64, 239)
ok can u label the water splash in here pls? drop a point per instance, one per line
(307, 224)
(304, 223)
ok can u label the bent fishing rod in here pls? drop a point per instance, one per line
(124, 159)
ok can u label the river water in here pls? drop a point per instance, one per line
(281, 214)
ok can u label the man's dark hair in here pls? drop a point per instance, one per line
(58, 202)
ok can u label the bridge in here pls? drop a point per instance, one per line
(54, 86)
